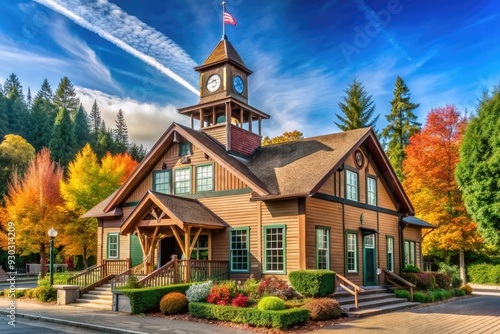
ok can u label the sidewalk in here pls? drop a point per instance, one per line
(108, 321)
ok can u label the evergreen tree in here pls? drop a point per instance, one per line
(12, 88)
(105, 142)
(95, 123)
(357, 108)
(66, 97)
(121, 132)
(63, 142)
(138, 152)
(17, 114)
(82, 132)
(402, 125)
(29, 100)
(45, 93)
(41, 124)
(3, 115)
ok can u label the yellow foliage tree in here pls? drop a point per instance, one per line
(285, 137)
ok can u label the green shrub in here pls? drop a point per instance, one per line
(443, 281)
(421, 297)
(313, 283)
(437, 295)
(46, 293)
(448, 294)
(323, 309)
(452, 271)
(59, 278)
(410, 277)
(17, 293)
(251, 288)
(425, 281)
(402, 294)
(458, 292)
(467, 289)
(148, 299)
(410, 268)
(252, 316)
(484, 273)
(132, 283)
(271, 303)
(173, 303)
(199, 292)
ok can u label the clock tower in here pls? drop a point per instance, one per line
(223, 111)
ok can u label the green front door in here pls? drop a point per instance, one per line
(369, 260)
(135, 250)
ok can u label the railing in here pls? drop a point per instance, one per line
(398, 281)
(98, 275)
(350, 287)
(122, 279)
(176, 271)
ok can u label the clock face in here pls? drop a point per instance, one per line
(238, 84)
(359, 159)
(213, 83)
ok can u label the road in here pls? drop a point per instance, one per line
(20, 285)
(27, 326)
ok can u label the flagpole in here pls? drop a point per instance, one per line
(223, 24)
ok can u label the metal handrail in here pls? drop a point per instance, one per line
(406, 285)
(350, 287)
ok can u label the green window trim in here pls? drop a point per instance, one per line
(410, 251)
(348, 250)
(177, 172)
(162, 186)
(322, 247)
(109, 244)
(389, 241)
(268, 253)
(239, 252)
(351, 190)
(205, 186)
(185, 149)
(371, 193)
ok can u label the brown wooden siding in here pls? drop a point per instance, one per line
(218, 132)
(328, 214)
(286, 213)
(388, 226)
(236, 211)
(123, 245)
(224, 180)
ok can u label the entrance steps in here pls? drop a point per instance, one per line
(374, 300)
(99, 298)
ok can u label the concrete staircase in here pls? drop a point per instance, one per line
(99, 298)
(374, 300)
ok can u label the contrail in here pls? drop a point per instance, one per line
(131, 35)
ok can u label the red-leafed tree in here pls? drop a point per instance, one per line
(32, 205)
(431, 158)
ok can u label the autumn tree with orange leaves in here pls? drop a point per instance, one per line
(431, 158)
(32, 205)
(89, 182)
(285, 137)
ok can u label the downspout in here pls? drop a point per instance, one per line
(401, 227)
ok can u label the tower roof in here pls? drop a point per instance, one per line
(224, 52)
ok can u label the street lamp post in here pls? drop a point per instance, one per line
(52, 235)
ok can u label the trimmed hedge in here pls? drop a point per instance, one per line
(252, 316)
(148, 299)
(313, 283)
(484, 273)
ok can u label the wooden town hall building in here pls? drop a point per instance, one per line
(211, 193)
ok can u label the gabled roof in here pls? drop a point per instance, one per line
(98, 210)
(201, 140)
(301, 167)
(182, 211)
(224, 52)
(412, 220)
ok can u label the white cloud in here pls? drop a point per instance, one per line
(131, 35)
(146, 122)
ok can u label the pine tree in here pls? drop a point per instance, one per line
(66, 97)
(357, 108)
(105, 142)
(3, 115)
(45, 93)
(29, 100)
(17, 114)
(63, 143)
(82, 132)
(41, 124)
(12, 88)
(138, 152)
(121, 132)
(402, 125)
(95, 123)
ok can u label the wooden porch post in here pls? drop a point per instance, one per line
(187, 250)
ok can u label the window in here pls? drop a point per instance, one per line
(184, 149)
(390, 254)
(410, 253)
(205, 178)
(200, 250)
(322, 248)
(161, 181)
(238, 248)
(113, 240)
(352, 252)
(274, 249)
(371, 186)
(351, 185)
(182, 181)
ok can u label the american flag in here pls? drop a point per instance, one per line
(228, 18)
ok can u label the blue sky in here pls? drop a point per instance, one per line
(139, 55)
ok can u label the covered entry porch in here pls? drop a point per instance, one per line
(172, 231)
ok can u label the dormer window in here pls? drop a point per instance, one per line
(185, 149)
